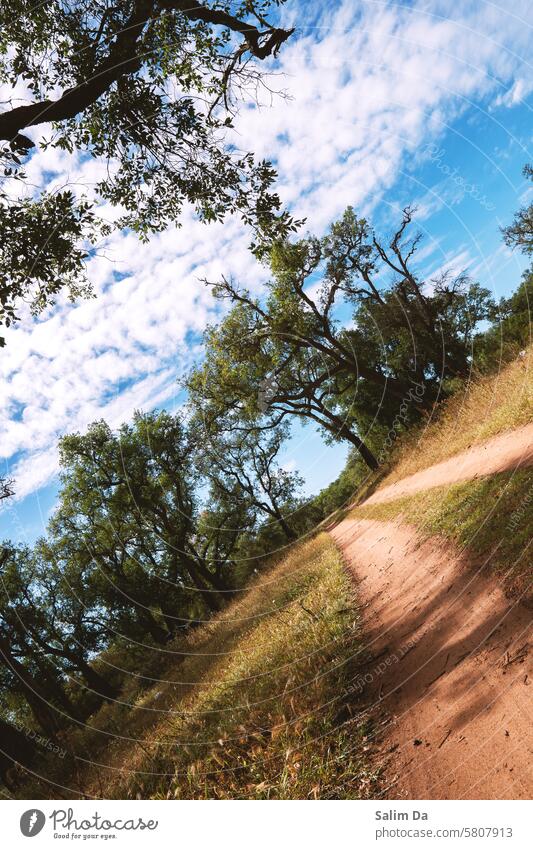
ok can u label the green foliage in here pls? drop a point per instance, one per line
(38, 258)
(241, 467)
(31, 661)
(519, 234)
(128, 515)
(290, 355)
(148, 88)
(510, 332)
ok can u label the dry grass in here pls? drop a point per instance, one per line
(476, 515)
(255, 704)
(490, 518)
(485, 407)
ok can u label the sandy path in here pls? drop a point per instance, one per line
(450, 673)
(509, 450)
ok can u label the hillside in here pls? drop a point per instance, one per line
(442, 558)
(254, 704)
(322, 681)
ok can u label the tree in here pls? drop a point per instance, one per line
(427, 351)
(519, 234)
(41, 251)
(24, 668)
(292, 350)
(221, 527)
(264, 379)
(128, 517)
(58, 620)
(125, 506)
(511, 329)
(148, 87)
(243, 467)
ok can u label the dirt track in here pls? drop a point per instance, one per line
(510, 450)
(450, 672)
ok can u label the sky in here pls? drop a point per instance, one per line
(386, 104)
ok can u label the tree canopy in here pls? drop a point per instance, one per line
(148, 87)
(519, 234)
(346, 331)
(243, 467)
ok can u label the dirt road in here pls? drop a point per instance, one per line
(449, 674)
(509, 450)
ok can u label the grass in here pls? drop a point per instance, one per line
(483, 408)
(489, 517)
(255, 703)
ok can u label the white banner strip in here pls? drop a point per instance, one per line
(254, 825)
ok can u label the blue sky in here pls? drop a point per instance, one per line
(389, 104)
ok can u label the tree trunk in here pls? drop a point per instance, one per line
(286, 528)
(211, 597)
(94, 680)
(339, 428)
(363, 449)
(173, 620)
(149, 623)
(38, 699)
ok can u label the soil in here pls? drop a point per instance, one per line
(510, 450)
(449, 678)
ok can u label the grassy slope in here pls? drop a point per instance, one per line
(257, 703)
(490, 517)
(269, 714)
(483, 408)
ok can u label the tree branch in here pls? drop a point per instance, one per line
(124, 58)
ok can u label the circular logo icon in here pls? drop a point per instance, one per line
(32, 822)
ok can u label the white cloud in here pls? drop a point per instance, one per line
(370, 84)
(458, 262)
(381, 81)
(515, 95)
(108, 355)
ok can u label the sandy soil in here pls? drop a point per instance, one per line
(509, 450)
(449, 680)
(449, 671)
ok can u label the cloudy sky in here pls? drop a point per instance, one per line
(389, 103)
